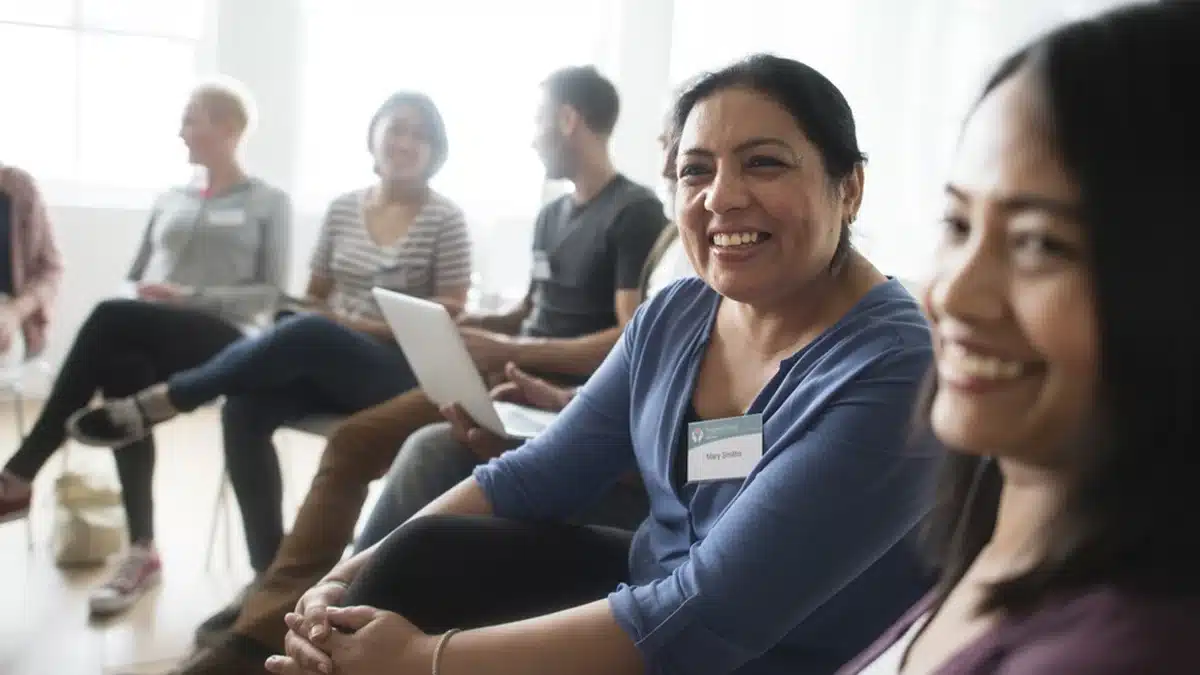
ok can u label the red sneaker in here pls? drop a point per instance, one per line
(137, 573)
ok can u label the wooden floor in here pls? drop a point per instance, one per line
(44, 626)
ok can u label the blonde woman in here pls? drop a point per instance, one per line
(211, 262)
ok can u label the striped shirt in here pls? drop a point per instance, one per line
(433, 258)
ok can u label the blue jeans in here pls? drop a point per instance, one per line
(432, 461)
(304, 365)
(334, 368)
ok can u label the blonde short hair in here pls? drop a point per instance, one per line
(228, 100)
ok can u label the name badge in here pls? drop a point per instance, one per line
(724, 449)
(227, 217)
(541, 266)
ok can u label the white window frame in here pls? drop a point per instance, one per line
(77, 191)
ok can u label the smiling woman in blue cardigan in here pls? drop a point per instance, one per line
(766, 407)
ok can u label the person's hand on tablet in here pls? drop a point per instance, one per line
(159, 291)
(522, 389)
(490, 351)
(482, 442)
(534, 392)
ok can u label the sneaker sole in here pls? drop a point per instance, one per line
(102, 610)
(78, 436)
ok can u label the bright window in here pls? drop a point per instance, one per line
(100, 103)
(481, 62)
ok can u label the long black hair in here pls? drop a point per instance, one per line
(1122, 112)
(816, 104)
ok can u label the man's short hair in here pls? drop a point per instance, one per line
(590, 93)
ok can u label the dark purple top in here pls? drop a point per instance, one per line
(1101, 632)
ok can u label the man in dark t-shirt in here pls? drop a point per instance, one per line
(584, 286)
(593, 251)
(589, 247)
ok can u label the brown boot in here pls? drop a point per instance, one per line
(358, 452)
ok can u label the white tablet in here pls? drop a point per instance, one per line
(439, 358)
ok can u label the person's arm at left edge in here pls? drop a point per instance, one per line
(631, 237)
(45, 269)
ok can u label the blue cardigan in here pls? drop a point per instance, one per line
(797, 567)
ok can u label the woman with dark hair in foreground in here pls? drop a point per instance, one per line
(1066, 333)
(766, 406)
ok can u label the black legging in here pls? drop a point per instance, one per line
(122, 348)
(444, 572)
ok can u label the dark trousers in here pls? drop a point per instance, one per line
(505, 570)
(304, 365)
(432, 461)
(123, 347)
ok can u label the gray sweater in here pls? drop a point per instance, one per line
(232, 249)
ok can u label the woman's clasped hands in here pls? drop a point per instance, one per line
(324, 639)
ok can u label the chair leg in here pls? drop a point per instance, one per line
(19, 410)
(218, 511)
(19, 418)
(285, 466)
(229, 518)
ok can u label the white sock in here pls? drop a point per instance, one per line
(126, 414)
(155, 404)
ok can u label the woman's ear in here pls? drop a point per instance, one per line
(852, 193)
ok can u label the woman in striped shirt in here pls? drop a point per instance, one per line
(336, 355)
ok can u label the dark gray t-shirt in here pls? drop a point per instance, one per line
(584, 253)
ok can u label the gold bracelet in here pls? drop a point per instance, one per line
(441, 647)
